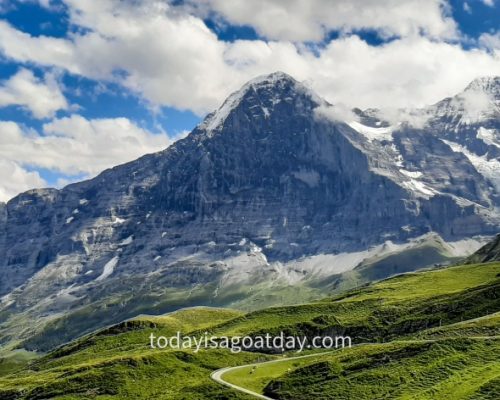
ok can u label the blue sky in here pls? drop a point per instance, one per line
(88, 84)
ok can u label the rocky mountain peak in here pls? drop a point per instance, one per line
(477, 105)
(260, 95)
(486, 84)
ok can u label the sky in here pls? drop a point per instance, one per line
(89, 84)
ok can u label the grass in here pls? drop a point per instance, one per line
(386, 310)
(117, 362)
(420, 307)
(431, 370)
(427, 331)
(422, 285)
(257, 377)
(15, 360)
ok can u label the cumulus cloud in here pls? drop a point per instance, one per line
(171, 58)
(167, 58)
(15, 179)
(298, 20)
(337, 113)
(75, 145)
(410, 72)
(41, 97)
(416, 118)
(490, 41)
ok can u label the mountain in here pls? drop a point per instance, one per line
(416, 333)
(488, 253)
(270, 200)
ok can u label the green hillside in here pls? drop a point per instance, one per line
(415, 334)
(433, 370)
(488, 253)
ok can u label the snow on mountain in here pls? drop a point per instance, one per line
(265, 193)
(372, 133)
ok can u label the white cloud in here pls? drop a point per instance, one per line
(15, 179)
(43, 50)
(170, 58)
(298, 20)
(167, 58)
(41, 97)
(395, 116)
(75, 145)
(410, 72)
(490, 41)
(475, 103)
(489, 3)
(337, 113)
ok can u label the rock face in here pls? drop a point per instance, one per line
(268, 178)
(490, 252)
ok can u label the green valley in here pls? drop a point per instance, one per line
(420, 335)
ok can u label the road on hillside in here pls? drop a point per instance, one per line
(217, 375)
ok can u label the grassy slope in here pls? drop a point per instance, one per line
(445, 362)
(117, 363)
(389, 309)
(12, 361)
(432, 370)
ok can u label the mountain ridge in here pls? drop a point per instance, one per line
(261, 185)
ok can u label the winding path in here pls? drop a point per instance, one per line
(217, 375)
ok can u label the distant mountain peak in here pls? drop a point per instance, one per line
(271, 79)
(270, 88)
(487, 84)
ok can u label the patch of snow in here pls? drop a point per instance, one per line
(6, 300)
(242, 242)
(490, 169)
(270, 244)
(310, 178)
(411, 174)
(68, 220)
(371, 133)
(217, 118)
(118, 220)
(398, 158)
(75, 211)
(65, 291)
(89, 272)
(8, 303)
(83, 202)
(108, 269)
(148, 215)
(163, 234)
(419, 188)
(489, 136)
(156, 258)
(127, 241)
